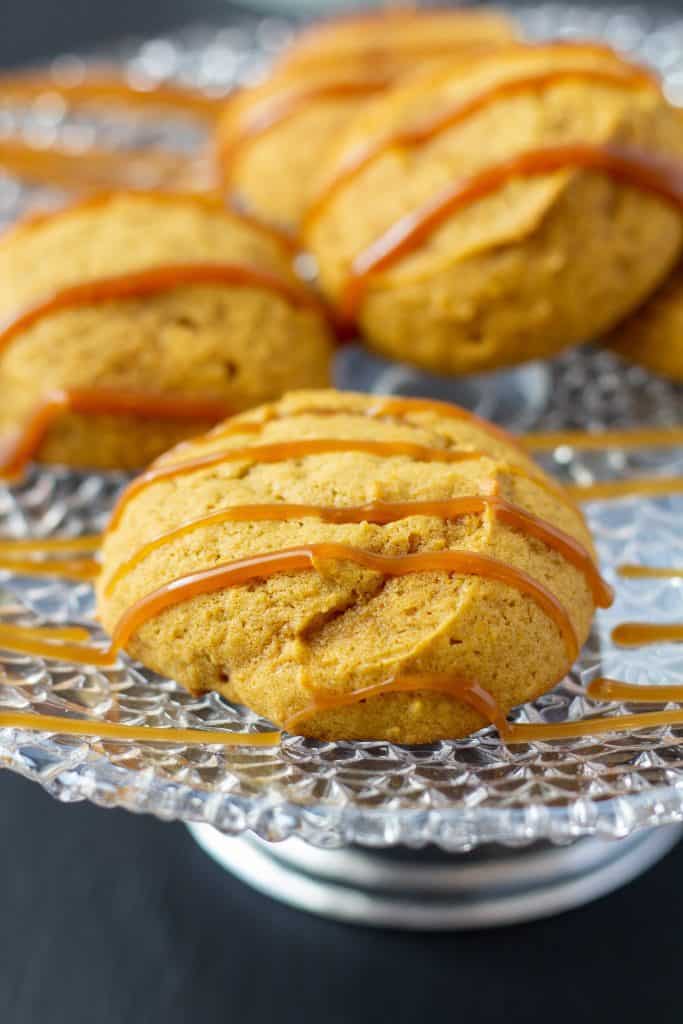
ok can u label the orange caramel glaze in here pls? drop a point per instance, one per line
(385, 405)
(49, 545)
(106, 87)
(307, 558)
(659, 176)
(630, 76)
(19, 449)
(651, 572)
(58, 644)
(281, 451)
(120, 732)
(389, 512)
(99, 168)
(470, 693)
(634, 693)
(153, 281)
(637, 634)
(279, 109)
(67, 568)
(613, 489)
(584, 440)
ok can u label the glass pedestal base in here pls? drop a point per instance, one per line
(514, 398)
(430, 890)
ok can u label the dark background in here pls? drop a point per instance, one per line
(115, 919)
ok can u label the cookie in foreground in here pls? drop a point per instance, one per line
(148, 316)
(334, 542)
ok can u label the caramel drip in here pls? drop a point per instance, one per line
(470, 693)
(420, 134)
(478, 698)
(97, 168)
(47, 545)
(22, 447)
(389, 512)
(649, 572)
(279, 109)
(583, 440)
(280, 452)
(63, 633)
(386, 406)
(637, 634)
(306, 558)
(108, 87)
(84, 569)
(133, 733)
(613, 489)
(154, 281)
(634, 693)
(627, 165)
(210, 201)
(56, 644)
(535, 733)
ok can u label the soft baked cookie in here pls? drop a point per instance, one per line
(202, 306)
(272, 137)
(470, 220)
(321, 468)
(653, 335)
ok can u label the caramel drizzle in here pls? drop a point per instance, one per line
(583, 440)
(385, 406)
(306, 558)
(625, 164)
(82, 569)
(637, 634)
(607, 490)
(105, 87)
(278, 110)
(649, 572)
(133, 733)
(470, 693)
(43, 545)
(631, 76)
(61, 644)
(154, 281)
(476, 697)
(389, 512)
(281, 451)
(21, 448)
(97, 168)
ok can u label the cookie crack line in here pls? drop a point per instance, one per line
(308, 557)
(382, 513)
(658, 175)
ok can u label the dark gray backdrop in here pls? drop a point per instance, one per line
(108, 918)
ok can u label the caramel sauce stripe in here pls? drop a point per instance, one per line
(305, 558)
(154, 281)
(109, 87)
(383, 513)
(629, 77)
(629, 166)
(17, 450)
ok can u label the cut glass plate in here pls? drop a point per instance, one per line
(455, 794)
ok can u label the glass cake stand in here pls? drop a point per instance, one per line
(457, 834)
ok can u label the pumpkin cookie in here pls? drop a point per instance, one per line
(483, 217)
(132, 320)
(334, 543)
(653, 336)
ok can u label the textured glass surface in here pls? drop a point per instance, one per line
(455, 794)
